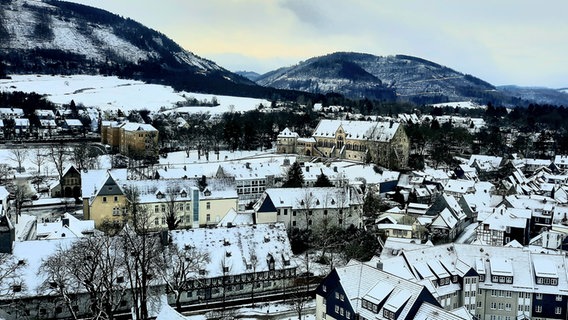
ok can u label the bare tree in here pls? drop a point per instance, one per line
(19, 156)
(183, 266)
(326, 238)
(142, 253)
(299, 302)
(59, 154)
(307, 202)
(39, 158)
(10, 276)
(59, 283)
(253, 260)
(90, 265)
(22, 194)
(83, 156)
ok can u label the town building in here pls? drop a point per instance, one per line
(305, 207)
(135, 140)
(490, 282)
(244, 262)
(361, 291)
(105, 199)
(384, 143)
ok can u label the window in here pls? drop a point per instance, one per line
(337, 295)
(156, 208)
(558, 310)
(538, 309)
(500, 306)
(58, 309)
(508, 306)
(285, 212)
(208, 218)
(539, 296)
(493, 305)
(163, 208)
(336, 309)
(120, 279)
(347, 314)
(558, 297)
(115, 199)
(208, 205)
(104, 199)
(115, 211)
(156, 221)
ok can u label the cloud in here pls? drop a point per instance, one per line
(506, 41)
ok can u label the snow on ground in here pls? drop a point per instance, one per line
(112, 93)
(462, 104)
(179, 158)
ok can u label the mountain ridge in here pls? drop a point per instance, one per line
(410, 78)
(59, 37)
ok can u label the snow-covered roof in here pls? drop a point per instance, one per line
(22, 122)
(357, 130)
(460, 186)
(518, 263)
(133, 126)
(287, 133)
(65, 227)
(313, 198)
(362, 281)
(73, 123)
(234, 247)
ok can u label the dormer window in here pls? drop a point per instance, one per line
(159, 195)
(183, 194)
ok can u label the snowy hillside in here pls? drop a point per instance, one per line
(412, 78)
(59, 37)
(112, 93)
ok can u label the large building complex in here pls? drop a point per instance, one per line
(384, 143)
(135, 140)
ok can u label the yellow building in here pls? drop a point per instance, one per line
(384, 143)
(193, 207)
(136, 140)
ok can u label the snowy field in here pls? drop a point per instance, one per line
(173, 160)
(463, 104)
(112, 93)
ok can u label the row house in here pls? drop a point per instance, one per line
(244, 262)
(305, 207)
(361, 291)
(503, 225)
(490, 282)
(104, 199)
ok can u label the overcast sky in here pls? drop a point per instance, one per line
(503, 42)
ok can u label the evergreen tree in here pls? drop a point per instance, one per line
(294, 177)
(323, 181)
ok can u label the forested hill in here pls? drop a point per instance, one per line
(409, 78)
(59, 37)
